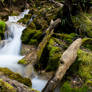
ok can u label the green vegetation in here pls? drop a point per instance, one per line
(54, 55)
(87, 43)
(2, 29)
(76, 21)
(83, 25)
(67, 88)
(22, 61)
(31, 36)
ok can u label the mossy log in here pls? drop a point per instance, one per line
(67, 59)
(34, 57)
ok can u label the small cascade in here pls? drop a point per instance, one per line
(10, 50)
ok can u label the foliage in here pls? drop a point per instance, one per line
(87, 43)
(31, 36)
(54, 55)
(67, 88)
(83, 25)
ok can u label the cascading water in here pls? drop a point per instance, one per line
(10, 50)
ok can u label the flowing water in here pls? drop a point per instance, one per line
(10, 50)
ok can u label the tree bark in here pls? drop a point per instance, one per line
(67, 59)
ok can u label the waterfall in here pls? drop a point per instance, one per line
(10, 52)
(10, 49)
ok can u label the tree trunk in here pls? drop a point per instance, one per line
(67, 59)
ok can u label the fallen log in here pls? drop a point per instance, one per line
(66, 60)
(34, 56)
(57, 3)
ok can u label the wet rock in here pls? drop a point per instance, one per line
(10, 85)
(15, 76)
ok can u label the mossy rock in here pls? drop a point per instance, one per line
(31, 36)
(54, 55)
(15, 76)
(87, 43)
(2, 29)
(6, 87)
(85, 70)
(22, 61)
(83, 25)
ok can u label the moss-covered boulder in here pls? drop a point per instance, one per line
(31, 36)
(2, 29)
(55, 52)
(9, 85)
(15, 76)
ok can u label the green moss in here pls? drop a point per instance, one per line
(68, 88)
(2, 29)
(54, 55)
(27, 34)
(37, 34)
(85, 67)
(87, 43)
(22, 61)
(33, 41)
(68, 38)
(82, 68)
(15, 76)
(32, 26)
(6, 87)
(31, 36)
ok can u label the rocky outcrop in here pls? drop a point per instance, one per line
(13, 82)
(9, 85)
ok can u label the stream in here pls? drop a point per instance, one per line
(11, 47)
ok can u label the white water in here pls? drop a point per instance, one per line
(38, 83)
(10, 52)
